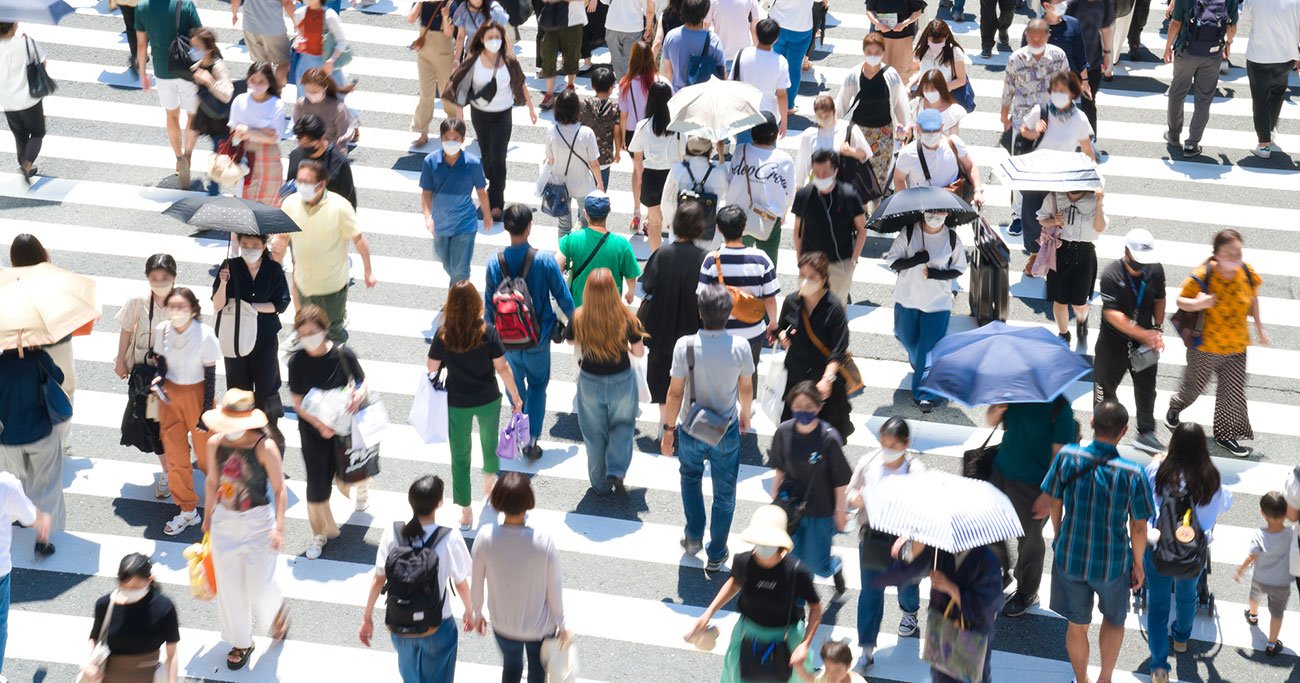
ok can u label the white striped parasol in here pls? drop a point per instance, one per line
(942, 510)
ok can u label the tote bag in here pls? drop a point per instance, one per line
(429, 409)
(771, 394)
(640, 369)
(954, 649)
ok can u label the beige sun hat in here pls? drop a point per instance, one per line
(767, 527)
(236, 413)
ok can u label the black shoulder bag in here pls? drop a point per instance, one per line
(353, 464)
(39, 83)
(178, 52)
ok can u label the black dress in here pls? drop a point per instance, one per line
(670, 310)
(804, 362)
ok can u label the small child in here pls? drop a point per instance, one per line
(600, 114)
(836, 660)
(1270, 552)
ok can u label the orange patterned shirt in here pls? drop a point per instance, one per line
(1225, 322)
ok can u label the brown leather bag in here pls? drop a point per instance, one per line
(745, 307)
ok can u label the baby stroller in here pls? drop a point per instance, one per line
(1204, 598)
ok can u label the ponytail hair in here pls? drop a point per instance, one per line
(425, 495)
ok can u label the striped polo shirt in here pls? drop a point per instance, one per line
(745, 267)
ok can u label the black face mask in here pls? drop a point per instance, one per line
(314, 150)
(1135, 267)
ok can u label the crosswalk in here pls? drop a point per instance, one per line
(630, 594)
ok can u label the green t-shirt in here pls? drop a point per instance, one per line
(616, 255)
(157, 18)
(1026, 451)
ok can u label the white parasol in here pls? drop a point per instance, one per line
(715, 109)
(1047, 170)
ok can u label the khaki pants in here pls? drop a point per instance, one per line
(898, 54)
(39, 467)
(178, 422)
(842, 279)
(433, 64)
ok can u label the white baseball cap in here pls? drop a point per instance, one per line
(1142, 246)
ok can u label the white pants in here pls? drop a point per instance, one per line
(39, 466)
(245, 566)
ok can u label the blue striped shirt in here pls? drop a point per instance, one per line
(744, 267)
(1093, 543)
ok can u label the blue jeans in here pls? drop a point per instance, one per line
(607, 409)
(793, 45)
(455, 252)
(532, 370)
(1031, 229)
(428, 658)
(1160, 589)
(304, 61)
(512, 659)
(724, 468)
(918, 332)
(812, 545)
(4, 618)
(871, 606)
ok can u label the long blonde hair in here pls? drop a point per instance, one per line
(600, 323)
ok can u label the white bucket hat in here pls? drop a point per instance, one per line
(767, 527)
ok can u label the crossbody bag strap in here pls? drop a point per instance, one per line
(812, 336)
(102, 638)
(920, 154)
(690, 365)
(749, 188)
(178, 16)
(717, 258)
(574, 153)
(581, 269)
(794, 592)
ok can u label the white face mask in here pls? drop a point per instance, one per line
(451, 147)
(128, 597)
(1056, 10)
(890, 455)
(808, 287)
(937, 46)
(179, 320)
(257, 88)
(308, 192)
(311, 342)
(493, 46)
(1037, 51)
(1061, 100)
(161, 290)
(930, 96)
(935, 220)
(875, 60)
(314, 97)
(236, 435)
(766, 552)
(826, 121)
(823, 184)
(251, 256)
(930, 139)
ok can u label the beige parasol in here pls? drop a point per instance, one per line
(43, 304)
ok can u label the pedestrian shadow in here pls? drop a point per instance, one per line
(611, 506)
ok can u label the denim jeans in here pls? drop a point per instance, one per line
(1160, 590)
(532, 370)
(812, 545)
(793, 45)
(724, 468)
(1030, 203)
(871, 606)
(4, 618)
(455, 252)
(428, 658)
(512, 659)
(564, 223)
(607, 409)
(918, 332)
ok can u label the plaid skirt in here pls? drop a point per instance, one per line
(266, 173)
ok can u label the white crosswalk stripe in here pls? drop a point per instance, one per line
(98, 212)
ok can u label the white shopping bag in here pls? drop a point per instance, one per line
(429, 410)
(329, 406)
(771, 394)
(560, 661)
(642, 385)
(369, 423)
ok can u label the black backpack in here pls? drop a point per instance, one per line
(697, 192)
(415, 597)
(178, 53)
(1175, 558)
(1207, 28)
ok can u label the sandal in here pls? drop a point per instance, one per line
(1252, 619)
(280, 625)
(238, 657)
(636, 228)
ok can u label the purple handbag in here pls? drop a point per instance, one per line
(514, 437)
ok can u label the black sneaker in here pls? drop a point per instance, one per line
(1149, 443)
(1135, 53)
(1018, 605)
(616, 486)
(715, 566)
(1171, 419)
(1231, 446)
(44, 549)
(925, 404)
(692, 546)
(840, 585)
(1081, 330)
(1065, 337)
(533, 453)
(1004, 41)
(1191, 149)
(1015, 228)
(986, 53)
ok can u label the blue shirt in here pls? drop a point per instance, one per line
(682, 44)
(1066, 35)
(23, 418)
(545, 282)
(452, 186)
(1093, 543)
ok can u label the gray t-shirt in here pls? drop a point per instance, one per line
(264, 17)
(1272, 552)
(720, 361)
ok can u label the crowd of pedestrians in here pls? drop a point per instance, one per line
(710, 303)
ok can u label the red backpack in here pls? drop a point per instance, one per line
(512, 305)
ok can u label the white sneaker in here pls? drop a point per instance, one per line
(314, 548)
(362, 498)
(1263, 151)
(865, 660)
(181, 522)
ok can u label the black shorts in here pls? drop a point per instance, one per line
(652, 186)
(1076, 270)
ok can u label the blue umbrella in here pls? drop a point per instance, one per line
(998, 363)
(35, 11)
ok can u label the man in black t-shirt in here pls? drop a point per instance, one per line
(1133, 310)
(828, 217)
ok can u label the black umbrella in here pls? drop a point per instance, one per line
(231, 214)
(905, 207)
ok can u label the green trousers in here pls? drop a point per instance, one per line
(770, 246)
(460, 425)
(335, 307)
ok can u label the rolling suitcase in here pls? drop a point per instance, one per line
(990, 282)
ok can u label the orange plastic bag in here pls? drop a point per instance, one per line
(203, 578)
